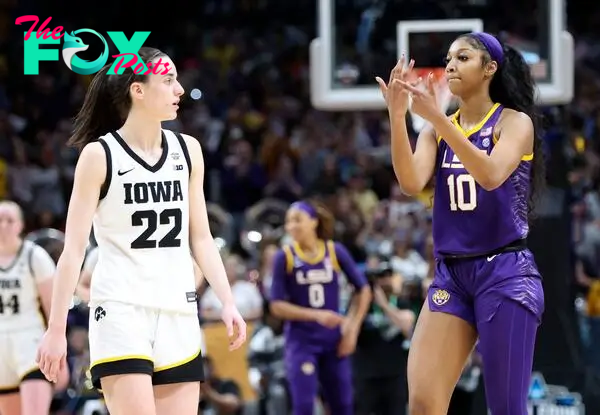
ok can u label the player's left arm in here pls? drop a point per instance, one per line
(205, 250)
(203, 246)
(198, 275)
(361, 300)
(515, 136)
(43, 268)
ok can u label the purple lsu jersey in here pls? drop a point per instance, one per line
(312, 283)
(467, 219)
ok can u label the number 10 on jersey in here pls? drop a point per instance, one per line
(463, 192)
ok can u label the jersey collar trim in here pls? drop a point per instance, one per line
(15, 260)
(478, 126)
(156, 167)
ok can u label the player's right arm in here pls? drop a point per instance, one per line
(413, 170)
(90, 174)
(284, 309)
(85, 278)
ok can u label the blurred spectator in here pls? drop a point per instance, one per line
(463, 398)
(48, 203)
(248, 299)
(329, 178)
(78, 360)
(20, 178)
(265, 272)
(379, 363)
(267, 369)
(284, 185)
(242, 180)
(219, 396)
(362, 195)
(405, 260)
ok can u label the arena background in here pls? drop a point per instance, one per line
(245, 67)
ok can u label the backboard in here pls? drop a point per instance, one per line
(361, 39)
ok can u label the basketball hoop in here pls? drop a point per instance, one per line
(443, 94)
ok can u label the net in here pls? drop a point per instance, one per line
(443, 94)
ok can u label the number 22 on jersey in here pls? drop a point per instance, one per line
(152, 219)
(463, 192)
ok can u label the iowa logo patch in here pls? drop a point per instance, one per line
(99, 313)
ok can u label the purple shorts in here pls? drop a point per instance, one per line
(474, 288)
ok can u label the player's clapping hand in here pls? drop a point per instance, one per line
(424, 99)
(52, 354)
(329, 319)
(396, 97)
(236, 326)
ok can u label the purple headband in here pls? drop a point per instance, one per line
(305, 207)
(492, 45)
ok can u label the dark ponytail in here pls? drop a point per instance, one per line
(326, 226)
(98, 114)
(107, 102)
(513, 86)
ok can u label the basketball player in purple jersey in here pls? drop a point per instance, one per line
(488, 166)
(306, 293)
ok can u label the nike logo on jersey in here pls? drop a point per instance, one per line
(490, 258)
(120, 173)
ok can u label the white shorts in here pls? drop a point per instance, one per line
(18, 350)
(127, 339)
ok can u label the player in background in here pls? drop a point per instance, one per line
(488, 166)
(26, 271)
(142, 188)
(305, 293)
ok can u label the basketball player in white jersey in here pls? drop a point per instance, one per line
(91, 259)
(26, 272)
(85, 282)
(142, 188)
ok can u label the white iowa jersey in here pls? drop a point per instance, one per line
(20, 307)
(142, 229)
